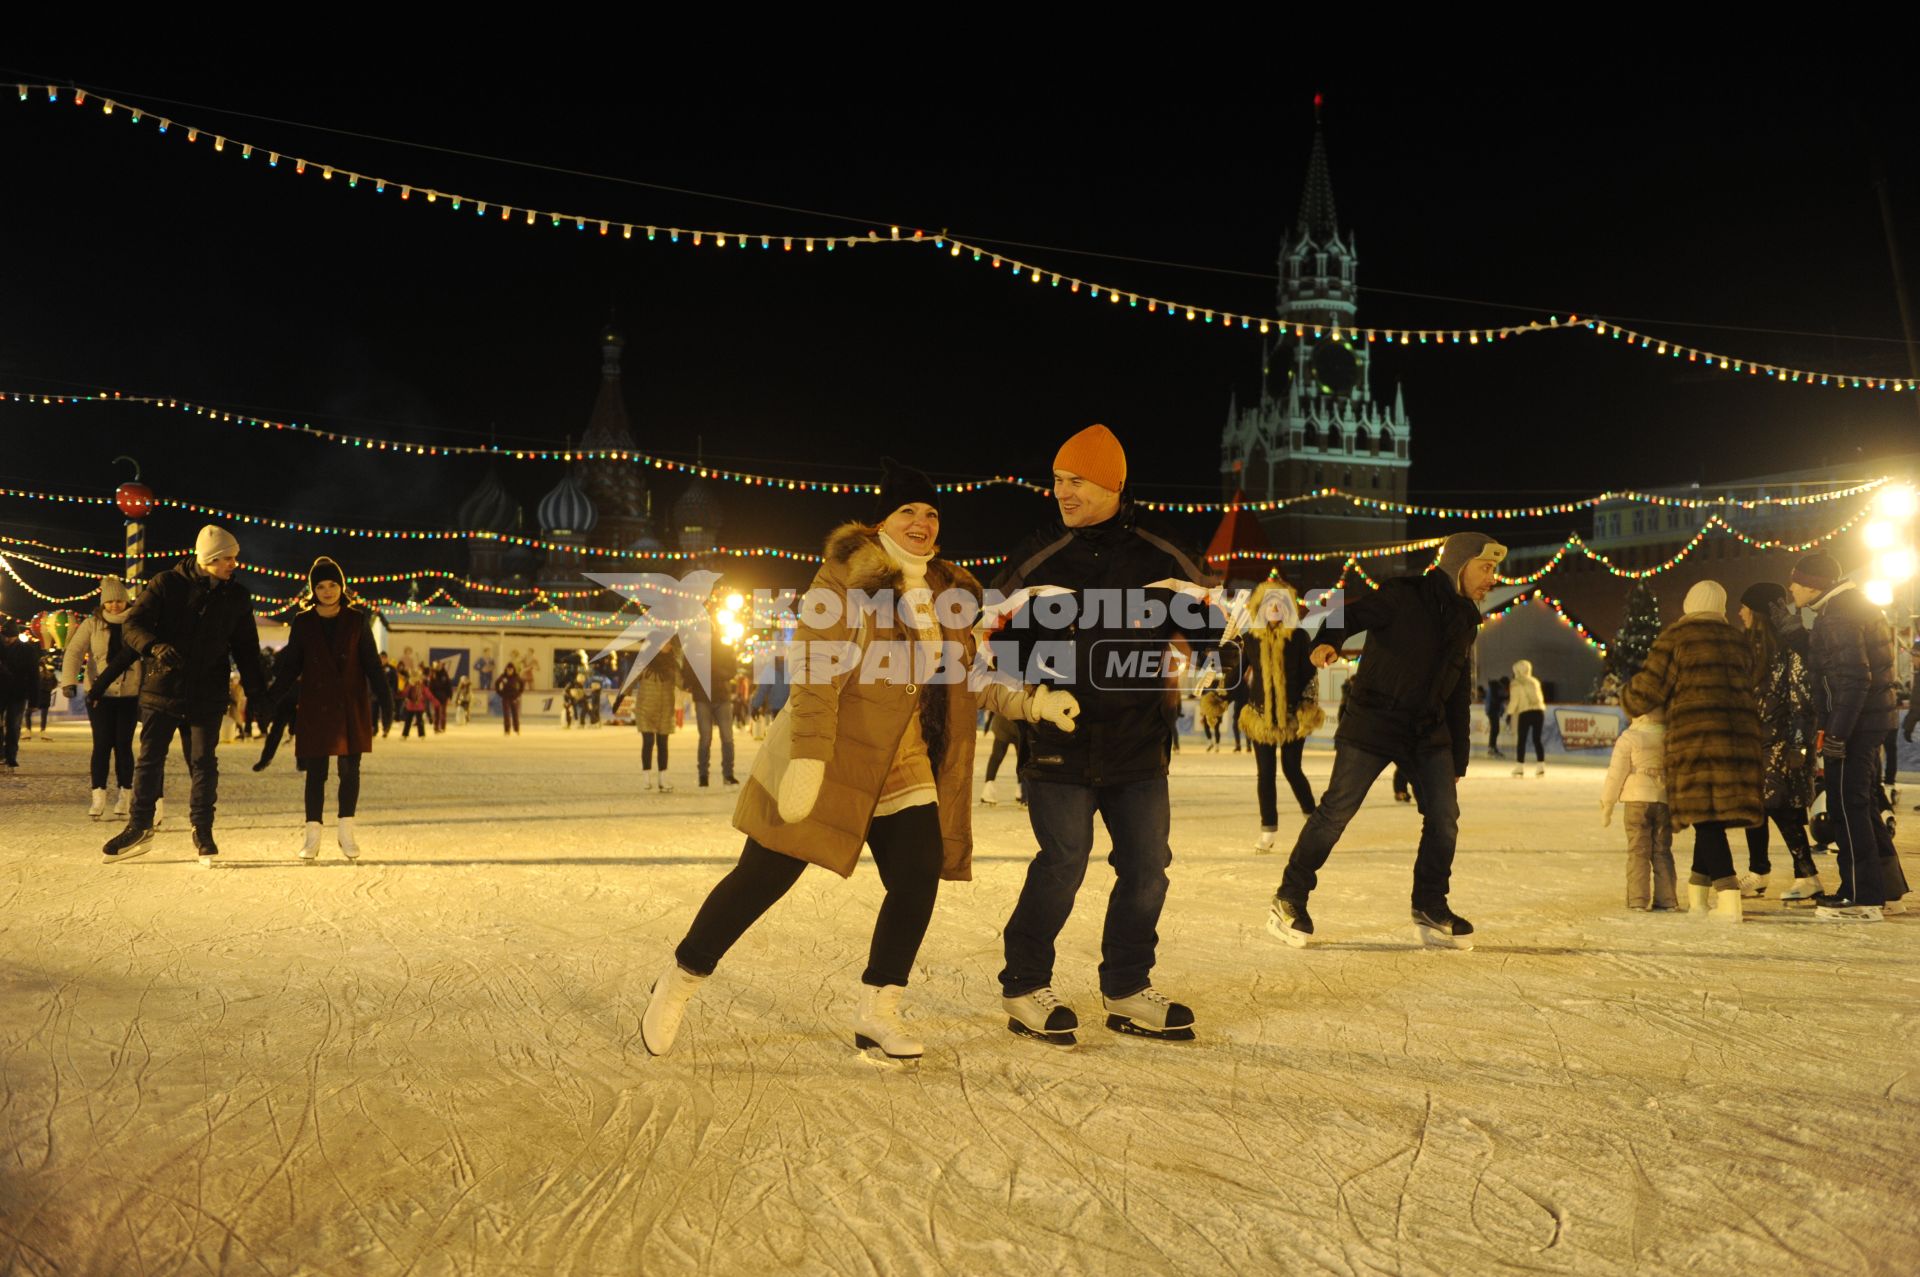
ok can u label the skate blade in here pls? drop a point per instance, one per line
(1436, 939)
(1280, 931)
(138, 849)
(1065, 1041)
(875, 1054)
(206, 862)
(1121, 1024)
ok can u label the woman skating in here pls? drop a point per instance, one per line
(1283, 705)
(653, 696)
(876, 754)
(115, 714)
(508, 688)
(331, 655)
(1784, 693)
(1700, 672)
(1528, 709)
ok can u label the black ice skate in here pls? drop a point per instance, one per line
(1148, 1015)
(1039, 1015)
(1288, 920)
(1440, 928)
(204, 844)
(134, 840)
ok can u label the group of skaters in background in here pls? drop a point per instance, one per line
(1732, 717)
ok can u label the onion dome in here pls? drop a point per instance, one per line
(490, 508)
(567, 510)
(696, 517)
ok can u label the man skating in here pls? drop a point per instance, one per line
(1409, 706)
(1115, 763)
(187, 623)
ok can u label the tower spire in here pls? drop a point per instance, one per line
(1317, 221)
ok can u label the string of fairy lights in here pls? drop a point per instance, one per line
(506, 214)
(1626, 496)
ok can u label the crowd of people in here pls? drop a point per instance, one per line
(1735, 726)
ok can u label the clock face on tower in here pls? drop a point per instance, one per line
(1335, 370)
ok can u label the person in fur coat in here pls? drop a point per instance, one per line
(1282, 703)
(874, 748)
(1701, 672)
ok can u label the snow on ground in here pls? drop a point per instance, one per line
(429, 1062)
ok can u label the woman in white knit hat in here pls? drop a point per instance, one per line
(114, 715)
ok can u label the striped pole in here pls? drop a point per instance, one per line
(136, 550)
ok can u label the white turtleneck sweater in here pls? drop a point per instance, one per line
(910, 782)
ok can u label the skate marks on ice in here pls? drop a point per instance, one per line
(390, 1069)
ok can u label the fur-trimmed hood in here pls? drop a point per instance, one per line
(1266, 589)
(856, 550)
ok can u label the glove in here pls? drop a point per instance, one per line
(1606, 814)
(800, 788)
(1833, 747)
(96, 692)
(67, 692)
(1055, 706)
(165, 657)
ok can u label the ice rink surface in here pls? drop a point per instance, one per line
(429, 1062)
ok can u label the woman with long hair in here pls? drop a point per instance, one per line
(1783, 691)
(875, 748)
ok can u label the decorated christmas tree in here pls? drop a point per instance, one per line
(1637, 633)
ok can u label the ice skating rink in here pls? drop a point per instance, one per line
(429, 1062)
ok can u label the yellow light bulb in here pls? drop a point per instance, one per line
(1878, 534)
(1898, 502)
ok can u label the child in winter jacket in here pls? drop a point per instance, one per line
(1637, 774)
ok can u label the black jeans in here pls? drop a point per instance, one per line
(15, 712)
(907, 849)
(410, 719)
(1712, 856)
(1288, 757)
(1354, 771)
(647, 740)
(317, 785)
(1138, 818)
(1493, 728)
(1531, 722)
(1891, 747)
(1860, 836)
(197, 739)
(113, 721)
(1792, 823)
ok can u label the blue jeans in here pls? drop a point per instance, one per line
(197, 741)
(1138, 818)
(708, 716)
(1354, 771)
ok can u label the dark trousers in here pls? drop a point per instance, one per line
(197, 740)
(1138, 818)
(1288, 758)
(706, 718)
(411, 719)
(1891, 748)
(385, 710)
(647, 740)
(999, 751)
(1712, 856)
(113, 721)
(1354, 771)
(1494, 716)
(1792, 823)
(1858, 832)
(43, 717)
(510, 714)
(908, 851)
(317, 785)
(1233, 721)
(1531, 722)
(15, 712)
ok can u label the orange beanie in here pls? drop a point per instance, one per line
(1096, 455)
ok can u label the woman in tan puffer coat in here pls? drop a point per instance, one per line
(870, 751)
(1701, 672)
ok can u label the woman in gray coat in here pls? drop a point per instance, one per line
(93, 642)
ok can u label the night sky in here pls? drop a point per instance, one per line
(142, 263)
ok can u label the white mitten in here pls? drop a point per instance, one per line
(1606, 814)
(1055, 706)
(800, 788)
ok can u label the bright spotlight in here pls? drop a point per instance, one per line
(1898, 502)
(1880, 593)
(1896, 566)
(1879, 534)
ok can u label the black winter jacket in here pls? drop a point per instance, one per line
(187, 624)
(1850, 655)
(1128, 700)
(19, 670)
(1412, 693)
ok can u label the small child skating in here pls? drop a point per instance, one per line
(1638, 775)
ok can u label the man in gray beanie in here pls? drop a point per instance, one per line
(189, 621)
(1408, 706)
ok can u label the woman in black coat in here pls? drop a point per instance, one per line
(1282, 707)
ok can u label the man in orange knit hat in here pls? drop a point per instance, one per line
(1113, 636)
